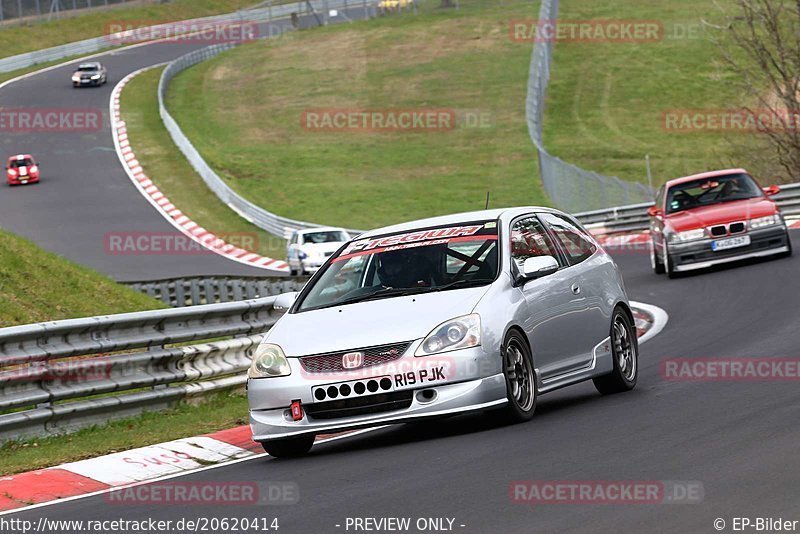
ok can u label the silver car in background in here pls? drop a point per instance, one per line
(471, 312)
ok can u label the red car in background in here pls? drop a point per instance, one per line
(715, 217)
(22, 169)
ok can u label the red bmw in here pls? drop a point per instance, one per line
(22, 169)
(715, 217)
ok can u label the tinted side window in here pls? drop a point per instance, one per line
(529, 239)
(577, 246)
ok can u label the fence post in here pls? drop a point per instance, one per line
(649, 173)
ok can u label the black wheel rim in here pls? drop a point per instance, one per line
(520, 376)
(624, 348)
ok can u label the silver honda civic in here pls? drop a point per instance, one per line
(481, 311)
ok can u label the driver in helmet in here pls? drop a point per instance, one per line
(405, 268)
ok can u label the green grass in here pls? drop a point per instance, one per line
(36, 286)
(243, 111)
(605, 102)
(169, 170)
(216, 412)
(25, 37)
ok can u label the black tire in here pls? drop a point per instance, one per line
(521, 388)
(293, 272)
(289, 448)
(669, 267)
(626, 364)
(655, 261)
(788, 253)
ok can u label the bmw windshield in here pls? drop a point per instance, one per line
(709, 191)
(420, 261)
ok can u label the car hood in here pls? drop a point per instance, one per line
(371, 323)
(320, 248)
(724, 213)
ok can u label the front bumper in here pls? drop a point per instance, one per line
(699, 255)
(22, 180)
(473, 381)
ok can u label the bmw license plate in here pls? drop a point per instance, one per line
(731, 242)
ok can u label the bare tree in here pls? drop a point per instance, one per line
(761, 44)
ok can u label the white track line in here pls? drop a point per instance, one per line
(157, 199)
(255, 456)
(660, 319)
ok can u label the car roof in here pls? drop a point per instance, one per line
(456, 218)
(704, 175)
(20, 156)
(93, 64)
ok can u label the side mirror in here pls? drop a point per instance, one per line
(653, 211)
(538, 267)
(772, 190)
(284, 301)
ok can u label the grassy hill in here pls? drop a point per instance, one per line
(36, 286)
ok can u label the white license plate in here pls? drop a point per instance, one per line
(731, 242)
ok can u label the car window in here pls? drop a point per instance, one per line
(412, 262)
(575, 243)
(709, 191)
(17, 163)
(529, 240)
(324, 237)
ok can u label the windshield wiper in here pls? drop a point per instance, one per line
(463, 283)
(381, 293)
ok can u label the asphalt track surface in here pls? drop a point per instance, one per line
(739, 439)
(85, 194)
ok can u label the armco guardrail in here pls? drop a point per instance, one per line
(634, 217)
(63, 375)
(96, 44)
(179, 292)
(268, 221)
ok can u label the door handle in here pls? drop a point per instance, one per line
(576, 289)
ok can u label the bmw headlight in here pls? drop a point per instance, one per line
(688, 235)
(761, 222)
(269, 361)
(76, 77)
(96, 77)
(459, 333)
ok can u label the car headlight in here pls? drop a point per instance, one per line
(96, 77)
(459, 333)
(688, 235)
(761, 222)
(76, 78)
(269, 361)
(12, 173)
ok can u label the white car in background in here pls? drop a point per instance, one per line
(309, 248)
